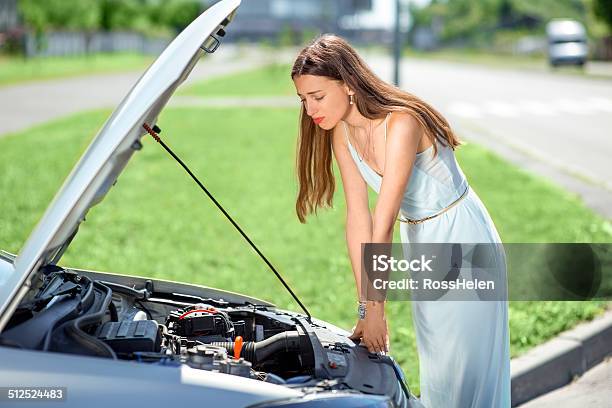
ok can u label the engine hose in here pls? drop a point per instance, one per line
(257, 351)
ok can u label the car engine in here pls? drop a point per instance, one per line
(130, 318)
(71, 313)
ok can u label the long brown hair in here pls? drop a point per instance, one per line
(332, 57)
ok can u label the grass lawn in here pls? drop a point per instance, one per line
(270, 80)
(18, 69)
(157, 223)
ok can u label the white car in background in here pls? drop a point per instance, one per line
(98, 339)
(567, 42)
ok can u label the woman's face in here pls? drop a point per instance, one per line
(324, 99)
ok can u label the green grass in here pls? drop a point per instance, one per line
(17, 69)
(274, 79)
(156, 222)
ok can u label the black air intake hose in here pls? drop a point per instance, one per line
(259, 351)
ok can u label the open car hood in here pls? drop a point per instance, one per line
(111, 149)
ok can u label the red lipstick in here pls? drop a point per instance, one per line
(318, 120)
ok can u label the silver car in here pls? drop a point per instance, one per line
(567, 43)
(96, 339)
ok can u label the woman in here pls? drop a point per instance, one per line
(402, 148)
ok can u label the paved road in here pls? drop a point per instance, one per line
(593, 390)
(25, 105)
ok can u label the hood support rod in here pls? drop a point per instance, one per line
(154, 132)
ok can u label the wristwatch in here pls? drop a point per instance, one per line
(361, 310)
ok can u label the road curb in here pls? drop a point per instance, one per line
(557, 362)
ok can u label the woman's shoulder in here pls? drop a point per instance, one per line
(402, 122)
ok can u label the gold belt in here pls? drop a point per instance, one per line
(454, 203)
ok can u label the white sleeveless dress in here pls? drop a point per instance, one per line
(463, 346)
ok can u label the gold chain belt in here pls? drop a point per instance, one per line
(454, 203)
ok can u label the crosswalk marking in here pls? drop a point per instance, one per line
(537, 108)
(501, 108)
(602, 104)
(512, 109)
(465, 110)
(568, 105)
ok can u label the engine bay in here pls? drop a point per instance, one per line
(71, 313)
(140, 320)
(176, 325)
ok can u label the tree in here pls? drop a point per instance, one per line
(41, 16)
(134, 15)
(148, 16)
(177, 14)
(60, 14)
(145, 16)
(603, 10)
(469, 20)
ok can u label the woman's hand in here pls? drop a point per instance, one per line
(373, 330)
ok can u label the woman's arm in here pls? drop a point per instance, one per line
(403, 136)
(358, 217)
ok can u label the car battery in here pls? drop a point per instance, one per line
(131, 336)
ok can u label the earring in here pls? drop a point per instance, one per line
(350, 99)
